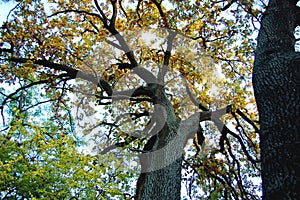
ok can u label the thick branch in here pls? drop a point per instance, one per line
(71, 72)
(164, 69)
(114, 16)
(127, 94)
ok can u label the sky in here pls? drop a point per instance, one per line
(5, 8)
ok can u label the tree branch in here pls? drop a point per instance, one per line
(161, 12)
(71, 72)
(75, 11)
(228, 5)
(164, 69)
(16, 92)
(127, 94)
(114, 16)
(103, 18)
(239, 112)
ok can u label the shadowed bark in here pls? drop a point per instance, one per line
(276, 84)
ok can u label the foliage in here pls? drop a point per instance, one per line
(46, 45)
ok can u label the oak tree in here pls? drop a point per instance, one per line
(165, 85)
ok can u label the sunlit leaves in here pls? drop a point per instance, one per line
(212, 56)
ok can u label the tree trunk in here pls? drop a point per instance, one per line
(276, 79)
(161, 168)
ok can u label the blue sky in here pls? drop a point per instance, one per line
(5, 8)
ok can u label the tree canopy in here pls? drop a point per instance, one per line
(138, 79)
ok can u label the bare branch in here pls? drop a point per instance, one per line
(119, 144)
(75, 11)
(103, 18)
(127, 94)
(163, 70)
(120, 4)
(71, 72)
(238, 111)
(12, 11)
(16, 92)
(114, 16)
(161, 12)
(114, 44)
(94, 25)
(193, 99)
(228, 5)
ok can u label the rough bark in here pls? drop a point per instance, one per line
(276, 79)
(161, 162)
(164, 183)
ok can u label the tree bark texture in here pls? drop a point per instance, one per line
(161, 162)
(157, 182)
(276, 80)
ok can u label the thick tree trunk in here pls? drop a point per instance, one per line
(276, 79)
(161, 169)
(164, 183)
